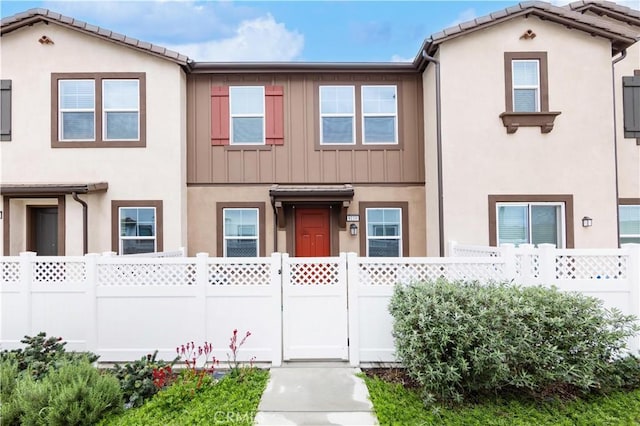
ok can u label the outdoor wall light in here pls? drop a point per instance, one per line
(353, 229)
(587, 221)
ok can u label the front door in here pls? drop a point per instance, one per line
(312, 232)
(43, 230)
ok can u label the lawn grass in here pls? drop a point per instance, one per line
(231, 401)
(396, 405)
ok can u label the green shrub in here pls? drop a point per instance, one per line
(9, 414)
(458, 338)
(75, 393)
(42, 352)
(137, 378)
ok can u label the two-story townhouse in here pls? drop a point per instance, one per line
(308, 159)
(526, 151)
(93, 144)
(627, 104)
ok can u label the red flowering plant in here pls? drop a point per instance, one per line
(234, 345)
(199, 360)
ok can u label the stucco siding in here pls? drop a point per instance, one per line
(154, 172)
(480, 158)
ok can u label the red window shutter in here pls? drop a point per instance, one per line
(220, 115)
(274, 114)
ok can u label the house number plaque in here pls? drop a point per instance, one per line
(353, 218)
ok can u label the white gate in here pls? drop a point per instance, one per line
(314, 308)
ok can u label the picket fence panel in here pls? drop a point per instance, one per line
(123, 308)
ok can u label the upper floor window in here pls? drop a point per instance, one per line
(526, 80)
(247, 115)
(337, 115)
(379, 114)
(526, 85)
(99, 110)
(357, 115)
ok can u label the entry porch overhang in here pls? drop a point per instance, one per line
(341, 195)
(16, 190)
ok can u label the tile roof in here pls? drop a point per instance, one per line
(610, 8)
(620, 35)
(32, 16)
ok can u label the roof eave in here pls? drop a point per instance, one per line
(301, 67)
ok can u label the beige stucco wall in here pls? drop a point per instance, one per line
(480, 158)
(202, 215)
(628, 149)
(155, 172)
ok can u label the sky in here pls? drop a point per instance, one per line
(307, 31)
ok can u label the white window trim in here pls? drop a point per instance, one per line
(352, 115)
(395, 115)
(232, 116)
(121, 237)
(105, 110)
(63, 110)
(514, 87)
(563, 226)
(224, 230)
(398, 237)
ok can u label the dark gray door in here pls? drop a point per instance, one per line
(44, 231)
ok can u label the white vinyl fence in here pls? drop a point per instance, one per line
(295, 308)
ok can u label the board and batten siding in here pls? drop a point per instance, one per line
(299, 160)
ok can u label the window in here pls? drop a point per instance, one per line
(385, 232)
(631, 105)
(530, 223)
(99, 110)
(630, 223)
(354, 116)
(526, 85)
(527, 92)
(240, 232)
(5, 110)
(240, 229)
(136, 226)
(247, 115)
(531, 219)
(337, 109)
(379, 114)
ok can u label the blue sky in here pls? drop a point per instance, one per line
(311, 31)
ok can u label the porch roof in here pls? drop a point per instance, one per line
(45, 189)
(342, 192)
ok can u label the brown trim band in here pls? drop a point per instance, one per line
(115, 226)
(628, 201)
(220, 206)
(402, 205)
(29, 190)
(568, 211)
(99, 142)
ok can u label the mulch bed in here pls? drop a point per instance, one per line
(392, 375)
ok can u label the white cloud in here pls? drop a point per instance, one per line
(260, 39)
(398, 58)
(464, 16)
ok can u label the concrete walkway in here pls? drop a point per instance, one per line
(315, 394)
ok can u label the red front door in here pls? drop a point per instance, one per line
(312, 232)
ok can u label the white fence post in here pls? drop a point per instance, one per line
(353, 285)
(27, 260)
(91, 283)
(547, 264)
(277, 281)
(633, 275)
(526, 264)
(202, 283)
(508, 253)
(452, 248)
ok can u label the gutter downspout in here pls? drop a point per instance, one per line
(85, 220)
(438, 151)
(615, 140)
